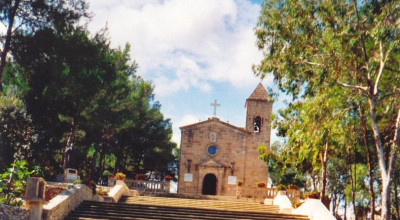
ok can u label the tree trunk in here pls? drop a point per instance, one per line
(117, 164)
(386, 199)
(396, 198)
(101, 164)
(7, 42)
(395, 149)
(369, 164)
(345, 208)
(305, 187)
(70, 144)
(314, 182)
(339, 199)
(334, 200)
(323, 158)
(385, 172)
(385, 166)
(94, 160)
(353, 190)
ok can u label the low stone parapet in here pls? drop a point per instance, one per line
(69, 199)
(13, 212)
(260, 194)
(59, 206)
(120, 189)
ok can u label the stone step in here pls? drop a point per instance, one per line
(189, 214)
(173, 208)
(207, 214)
(208, 204)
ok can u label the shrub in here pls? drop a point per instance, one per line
(281, 187)
(168, 178)
(312, 195)
(13, 182)
(120, 175)
(90, 183)
(261, 184)
(102, 192)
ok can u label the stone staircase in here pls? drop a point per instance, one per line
(144, 207)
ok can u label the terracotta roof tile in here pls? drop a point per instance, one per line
(259, 93)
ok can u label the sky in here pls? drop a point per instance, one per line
(193, 52)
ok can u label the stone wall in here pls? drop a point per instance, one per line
(231, 144)
(69, 199)
(11, 212)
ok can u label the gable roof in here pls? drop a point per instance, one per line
(259, 94)
(214, 119)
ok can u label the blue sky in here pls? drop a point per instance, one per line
(193, 51)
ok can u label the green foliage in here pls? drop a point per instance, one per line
(17, 133)
(361, 188)
(280, 187)
(93, 99)
(13, 182)
(80, 93)
(283, 168)
(77, 181)
(38, 171)
(320, 43)
(27, 17)
(313, 46)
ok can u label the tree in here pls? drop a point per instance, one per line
(80, 92)
(17, 133)
(147, 139)
(26, 17)
(283, 167)
(63, 71)
(130, 123)
(355, 44)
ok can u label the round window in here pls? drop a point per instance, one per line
(212, 150)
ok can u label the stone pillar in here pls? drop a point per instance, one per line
(35, 197)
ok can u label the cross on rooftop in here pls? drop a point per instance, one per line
(215, 104)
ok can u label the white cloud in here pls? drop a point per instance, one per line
(183, 121)
(180, 44)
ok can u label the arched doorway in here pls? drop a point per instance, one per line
(209, 185)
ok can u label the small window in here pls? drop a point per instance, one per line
(257, 124)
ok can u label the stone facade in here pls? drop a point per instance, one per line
(215, 154)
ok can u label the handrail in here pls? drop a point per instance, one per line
(148, 186)
(263, 193)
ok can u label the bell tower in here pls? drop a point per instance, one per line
(258, 124)
(258, 113)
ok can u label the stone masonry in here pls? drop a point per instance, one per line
(11, 212)
(215, 155)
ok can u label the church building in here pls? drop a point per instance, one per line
(215, 155)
